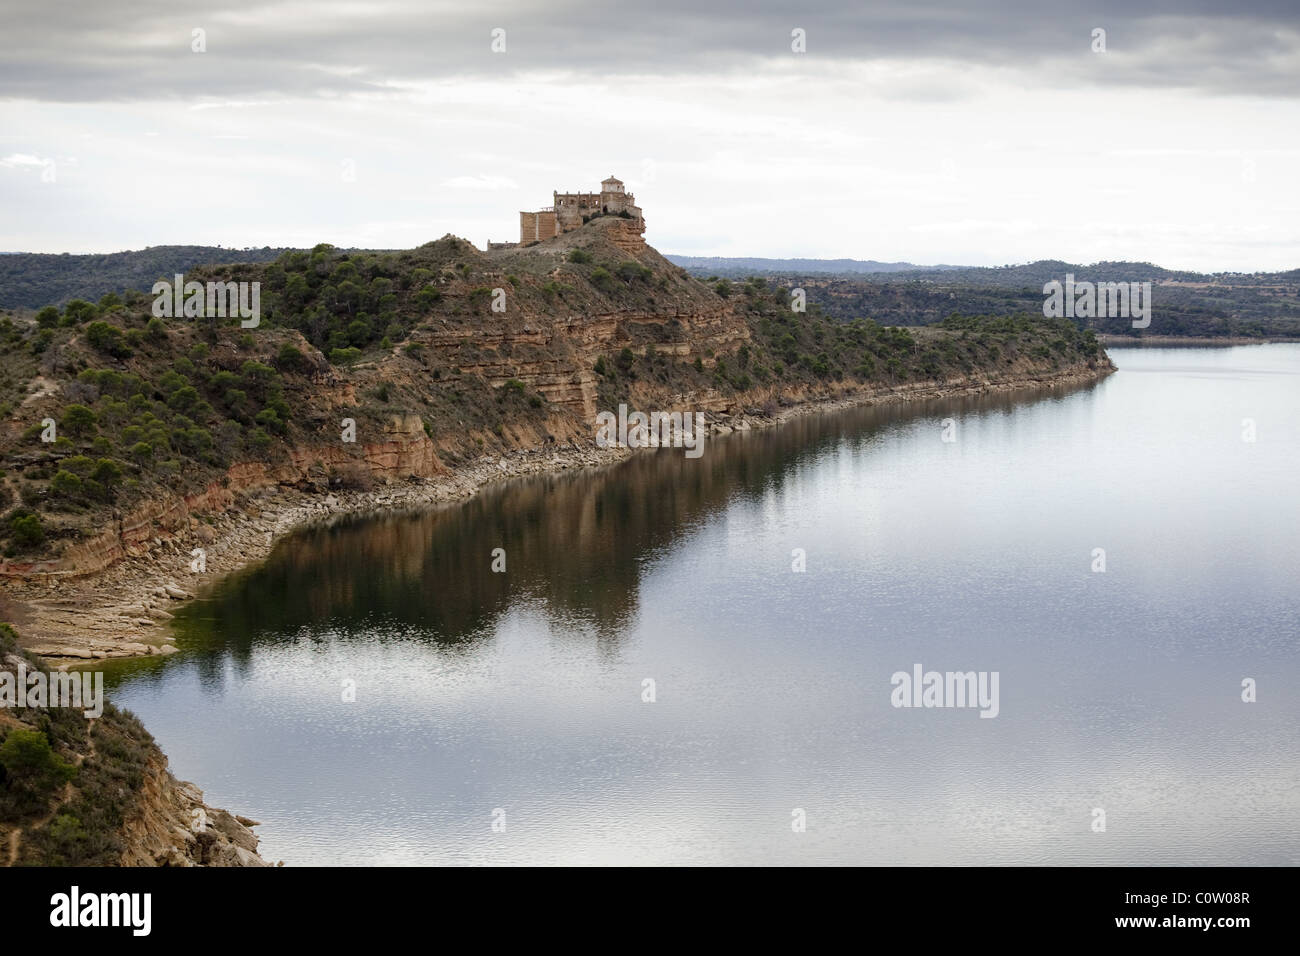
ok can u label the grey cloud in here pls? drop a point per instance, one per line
(88, 50)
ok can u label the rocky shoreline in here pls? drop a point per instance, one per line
(125, 610)
(1174, 341)
(173, 826)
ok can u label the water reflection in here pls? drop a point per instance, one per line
(575, 543)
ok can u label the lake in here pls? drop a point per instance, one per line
(504, 717)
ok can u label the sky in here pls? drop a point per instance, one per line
(945, 132)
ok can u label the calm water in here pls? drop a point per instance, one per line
(523, 691)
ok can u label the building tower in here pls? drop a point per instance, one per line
(613, 198)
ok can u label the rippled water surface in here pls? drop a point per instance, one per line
(522, 692)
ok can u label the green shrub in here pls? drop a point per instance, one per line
(291, 359)
(26, 529)
(79, 465)
(268, 418)
(30, 763)
(107, 472)
(78, 420)
(106, 338)
(184, 399)
(67, 834)
(629, 271)
(76, 312)
(191, 440)
(66, 484)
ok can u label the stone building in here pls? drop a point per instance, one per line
(569, 211)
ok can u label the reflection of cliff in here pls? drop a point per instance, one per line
(574, 543)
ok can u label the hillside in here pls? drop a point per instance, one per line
(1261, 305)
(31, 280)
(1177, 310)
(162, 426)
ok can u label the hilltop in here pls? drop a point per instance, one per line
(376, 371)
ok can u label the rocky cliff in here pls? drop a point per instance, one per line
(78, 790)
(136, 433)
(164, 426)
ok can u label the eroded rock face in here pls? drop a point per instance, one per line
(405, 451)
(555, 355)
(550, 342)
(627, 234)
(172, 826)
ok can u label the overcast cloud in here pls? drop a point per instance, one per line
(932, 132)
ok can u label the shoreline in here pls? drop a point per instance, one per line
(1173, 341)
(124, 610)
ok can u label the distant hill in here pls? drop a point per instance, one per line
(892, 293)
(1260, 305)
(1224, 304)
(34, 279)
(730, 267)
(1019, 276)
(1035, 274)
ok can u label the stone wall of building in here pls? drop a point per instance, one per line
(536, 226)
